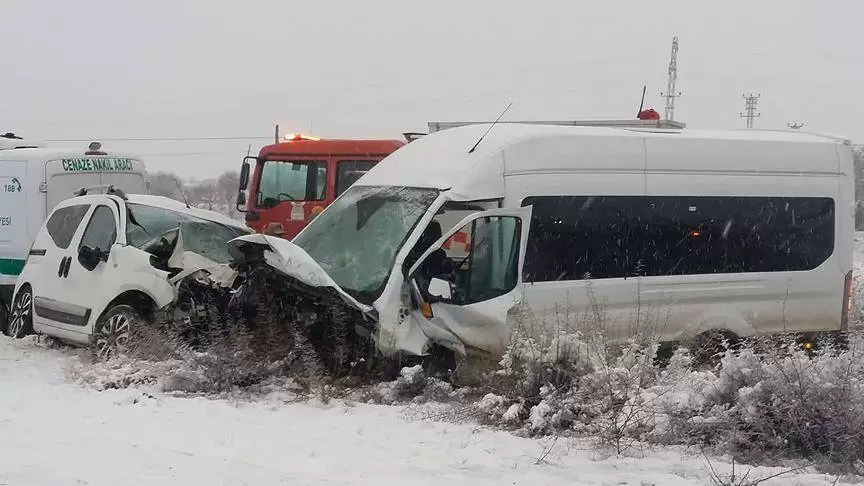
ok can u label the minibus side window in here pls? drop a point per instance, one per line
(597, 237)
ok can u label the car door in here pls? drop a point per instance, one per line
(88, 279)
(49, 259)
(465, 302)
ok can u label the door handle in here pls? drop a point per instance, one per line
(62, 266)
(65, 263)
(68, 265)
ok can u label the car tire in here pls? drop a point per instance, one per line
(113, 331)
(20, 321)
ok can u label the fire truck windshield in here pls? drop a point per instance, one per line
(295, 180)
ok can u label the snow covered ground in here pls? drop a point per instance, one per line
(56, 431)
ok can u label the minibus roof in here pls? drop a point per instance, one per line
(442, 160)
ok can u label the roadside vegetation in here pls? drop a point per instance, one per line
(761, 402)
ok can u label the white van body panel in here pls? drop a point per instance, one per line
(15, 233)
(750, 303)
(518, 161)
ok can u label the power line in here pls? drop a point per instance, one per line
(671, 92)
(750, 102)
(158, 139)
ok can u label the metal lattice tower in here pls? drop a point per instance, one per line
(750, 102)
(671, 92)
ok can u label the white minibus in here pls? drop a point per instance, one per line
(744, 232)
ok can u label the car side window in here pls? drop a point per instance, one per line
(64, 222)
(101, 231)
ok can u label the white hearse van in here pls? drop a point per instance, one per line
(743, 232)
(33, 179)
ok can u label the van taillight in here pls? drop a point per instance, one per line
(847, 302)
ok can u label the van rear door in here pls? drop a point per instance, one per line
(65, 176)
(128, 176)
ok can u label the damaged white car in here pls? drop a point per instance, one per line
(103, 263)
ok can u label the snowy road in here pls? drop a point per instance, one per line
(56, 432)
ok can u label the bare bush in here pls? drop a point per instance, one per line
(568, 376)
(762, 401)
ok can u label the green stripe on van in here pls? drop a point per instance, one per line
(11, 266)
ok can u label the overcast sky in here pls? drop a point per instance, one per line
(193, 68)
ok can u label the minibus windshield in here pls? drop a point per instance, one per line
(356, 239)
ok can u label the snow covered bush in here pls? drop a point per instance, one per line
(567, 376)
(762, 400)
(412, 385)
(540, 354)
(765, 402)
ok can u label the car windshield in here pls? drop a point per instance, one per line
(356, 239)
(200, 236)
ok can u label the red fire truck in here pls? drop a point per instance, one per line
(290, 182)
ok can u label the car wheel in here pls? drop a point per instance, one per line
(21, 318)
(114, 331)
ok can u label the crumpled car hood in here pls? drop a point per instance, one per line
(293, 261)
(197, 265)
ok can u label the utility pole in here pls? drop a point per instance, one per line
(750, 102)
(671, 92)
(795, 125)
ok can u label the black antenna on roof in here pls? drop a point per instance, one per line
(490, 128)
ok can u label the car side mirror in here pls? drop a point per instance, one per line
(440, 288)
(89, 258)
